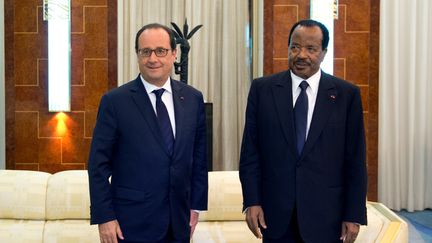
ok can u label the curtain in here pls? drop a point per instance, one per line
(218, 61)
(405, 105)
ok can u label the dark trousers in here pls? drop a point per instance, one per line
(169, 238)
(292, 235)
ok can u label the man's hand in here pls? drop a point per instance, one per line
(349, 232)
(193, 221)
(109, 231)
(255, 216)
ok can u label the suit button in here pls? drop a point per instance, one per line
(298, 165)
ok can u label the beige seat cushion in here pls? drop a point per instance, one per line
(23, 194)
(21, 231)
(223, 232)
(70, 231)
(225, 197)
(68, 195)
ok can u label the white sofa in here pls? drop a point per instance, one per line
(40, 207)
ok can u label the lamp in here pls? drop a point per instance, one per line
(57, 13)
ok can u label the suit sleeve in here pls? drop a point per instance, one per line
(199, 179)
(99, 164)
(355, 169)
(249, 168)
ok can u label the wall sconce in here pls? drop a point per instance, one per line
(325, 11)
(57, 13)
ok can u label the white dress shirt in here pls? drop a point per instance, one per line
(311, 91)
(167, 98)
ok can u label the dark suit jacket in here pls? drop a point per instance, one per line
(327, 182)
(149, 189)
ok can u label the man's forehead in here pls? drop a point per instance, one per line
(154, 35)
(154, 31)
(306, 31)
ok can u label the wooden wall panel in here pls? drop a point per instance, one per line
(354, 52)
(37, 139)
(372, 121)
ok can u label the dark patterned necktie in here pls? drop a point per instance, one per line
(300, 116)
(164, 121)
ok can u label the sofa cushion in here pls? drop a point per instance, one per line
(70, 231)
(23, 194)
(21, 231)
(220, 231)
(224, 197)
(68, 195)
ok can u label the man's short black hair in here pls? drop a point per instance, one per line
(311, 23)
(156, 26)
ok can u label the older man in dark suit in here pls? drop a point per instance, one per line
(302, 163)
(150, 138)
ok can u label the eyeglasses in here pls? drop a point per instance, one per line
(159, 52)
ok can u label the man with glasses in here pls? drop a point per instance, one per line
(150, 139)
(302, 162)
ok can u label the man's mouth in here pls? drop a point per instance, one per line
(301, 64)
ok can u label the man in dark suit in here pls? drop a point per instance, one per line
(150, 138)
(302, 162)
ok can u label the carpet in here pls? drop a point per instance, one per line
(421, 225)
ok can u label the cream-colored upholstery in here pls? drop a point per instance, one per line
(21, 230)
(37, 207)
(68, 209)
(80, 231)
(225, 203)
(23, 194)
(224, 220)
(68, 196)
(22, 206)
(383, 226)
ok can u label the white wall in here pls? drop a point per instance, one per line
(2, 90)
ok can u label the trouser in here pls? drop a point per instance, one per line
(169, 238)
(292, 235)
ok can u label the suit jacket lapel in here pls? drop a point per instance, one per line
(282, 94)
(141, 99)
(322, 111)
(179, 110)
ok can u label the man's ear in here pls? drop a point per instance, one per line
(324, 54)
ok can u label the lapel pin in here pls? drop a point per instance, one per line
(333, 97)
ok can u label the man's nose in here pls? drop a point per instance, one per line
(152, 56)
(303, 52)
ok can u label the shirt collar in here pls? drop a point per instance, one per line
(150, 87)
(313, 81)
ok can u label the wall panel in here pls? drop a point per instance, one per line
(38, 139)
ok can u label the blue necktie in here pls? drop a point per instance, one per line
(300, 116)
(164, 121)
